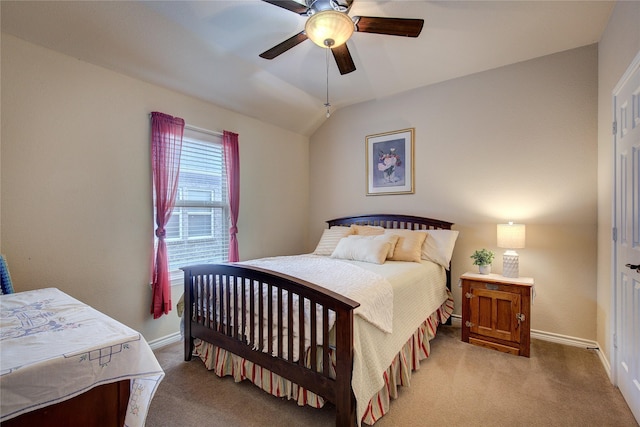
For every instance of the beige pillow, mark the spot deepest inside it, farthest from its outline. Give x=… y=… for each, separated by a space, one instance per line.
x=357 y=248
x=367 y=230
x=330 y=238
x=409 y=246
x=392 y=239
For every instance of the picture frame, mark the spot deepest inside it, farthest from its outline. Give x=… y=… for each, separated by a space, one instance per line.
x=390 y=162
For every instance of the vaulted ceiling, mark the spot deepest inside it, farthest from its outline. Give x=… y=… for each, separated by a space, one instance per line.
x=209 y=49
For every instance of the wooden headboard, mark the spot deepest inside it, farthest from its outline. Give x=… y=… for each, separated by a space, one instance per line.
x=407 y=222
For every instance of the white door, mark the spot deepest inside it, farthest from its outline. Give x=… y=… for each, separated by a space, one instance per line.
x=626 y=370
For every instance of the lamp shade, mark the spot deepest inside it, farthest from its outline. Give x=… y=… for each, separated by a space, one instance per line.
x=329 y=28
x=511 y=236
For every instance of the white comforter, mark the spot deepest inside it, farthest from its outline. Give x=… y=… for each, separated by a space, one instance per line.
x=417 y=290
x=370 y=289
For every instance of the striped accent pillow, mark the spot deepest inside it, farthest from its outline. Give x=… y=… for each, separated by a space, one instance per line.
x=330 y=238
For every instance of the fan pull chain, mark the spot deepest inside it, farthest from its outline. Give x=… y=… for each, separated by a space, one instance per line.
x=327 y=104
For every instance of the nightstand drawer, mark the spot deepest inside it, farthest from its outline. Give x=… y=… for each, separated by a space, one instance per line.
x=494 y=346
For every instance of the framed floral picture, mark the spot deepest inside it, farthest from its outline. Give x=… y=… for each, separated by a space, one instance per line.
x=389 y=162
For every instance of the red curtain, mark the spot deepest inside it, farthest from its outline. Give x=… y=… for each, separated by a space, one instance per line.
x=232 y=164
x=166 y=147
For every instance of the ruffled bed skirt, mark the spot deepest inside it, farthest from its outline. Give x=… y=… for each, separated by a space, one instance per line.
x=417 y=348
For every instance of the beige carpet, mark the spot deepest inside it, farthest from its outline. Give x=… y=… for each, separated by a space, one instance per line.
x=458 y=385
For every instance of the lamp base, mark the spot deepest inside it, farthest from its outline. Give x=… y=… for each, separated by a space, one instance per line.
x=510 y=264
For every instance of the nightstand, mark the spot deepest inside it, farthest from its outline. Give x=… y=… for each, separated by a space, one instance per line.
x=496 y=312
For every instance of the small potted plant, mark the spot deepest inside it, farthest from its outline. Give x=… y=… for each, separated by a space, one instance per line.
x=483 y=259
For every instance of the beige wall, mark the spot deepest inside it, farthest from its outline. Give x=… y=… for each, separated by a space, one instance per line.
x=618 y=46
x=515 y=143
x=76 y=181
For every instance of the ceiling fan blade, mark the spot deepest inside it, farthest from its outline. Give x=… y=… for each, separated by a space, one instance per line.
x=284 y=46
x=291 y=5
x=391 y=26
x=343 y=59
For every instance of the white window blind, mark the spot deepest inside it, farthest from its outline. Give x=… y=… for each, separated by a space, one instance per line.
x=198 y=231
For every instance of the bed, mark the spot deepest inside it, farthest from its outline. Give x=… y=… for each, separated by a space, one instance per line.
x=64 y=363
x=327 y=337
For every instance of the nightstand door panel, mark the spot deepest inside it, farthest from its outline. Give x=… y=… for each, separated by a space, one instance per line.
x=493 y=314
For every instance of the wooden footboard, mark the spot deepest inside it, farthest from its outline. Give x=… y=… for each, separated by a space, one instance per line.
x=273 y=301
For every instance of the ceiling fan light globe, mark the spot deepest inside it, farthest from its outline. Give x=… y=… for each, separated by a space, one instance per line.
x=330 y=25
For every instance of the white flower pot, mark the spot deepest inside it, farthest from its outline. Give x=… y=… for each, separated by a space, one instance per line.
x=485 y=269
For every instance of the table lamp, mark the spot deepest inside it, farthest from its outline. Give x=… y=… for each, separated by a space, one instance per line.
x=510 y=237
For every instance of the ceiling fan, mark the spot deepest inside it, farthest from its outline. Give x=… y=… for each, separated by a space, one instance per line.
x=329 y=25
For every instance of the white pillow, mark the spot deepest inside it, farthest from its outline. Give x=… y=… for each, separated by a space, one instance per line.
x=330 y=238
x=409 y=246
x=438 y=247
x=391 y=238
x=361 y=248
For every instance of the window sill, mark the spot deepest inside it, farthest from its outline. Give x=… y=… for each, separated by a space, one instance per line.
x=177 y=278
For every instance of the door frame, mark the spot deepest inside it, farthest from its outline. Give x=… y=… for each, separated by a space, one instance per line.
x=635 y=64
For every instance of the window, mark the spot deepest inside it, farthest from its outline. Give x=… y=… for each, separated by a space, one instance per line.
x=198 y=231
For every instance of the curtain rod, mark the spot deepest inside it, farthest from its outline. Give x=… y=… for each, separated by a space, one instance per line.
x=197 y=129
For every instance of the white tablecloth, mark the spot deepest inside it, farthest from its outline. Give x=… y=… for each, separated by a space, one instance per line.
x=53 y=347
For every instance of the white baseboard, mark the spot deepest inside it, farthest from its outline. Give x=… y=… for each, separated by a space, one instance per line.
x=605 y=364
x=564 y=339
x=164 y=341
x=456 y=320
